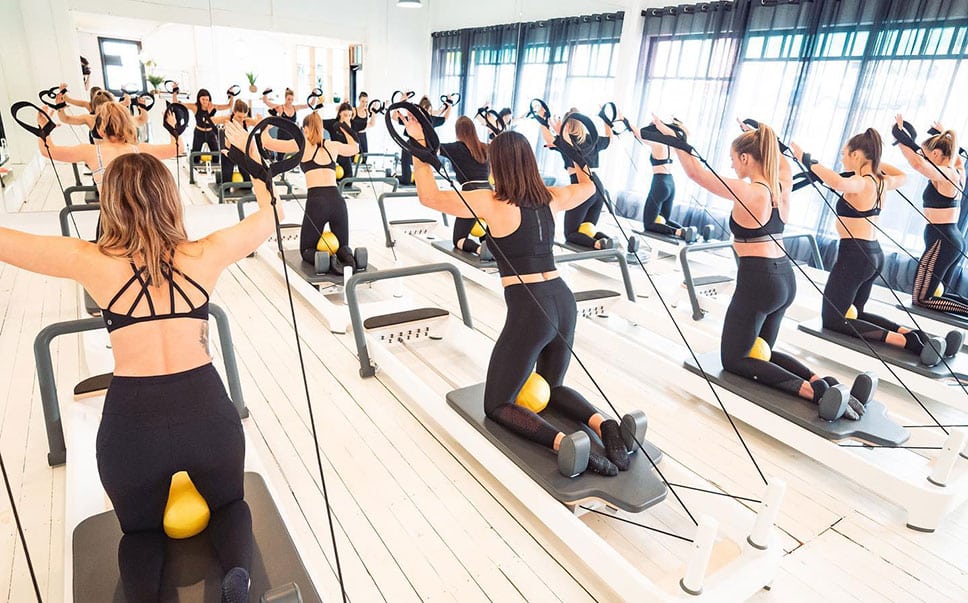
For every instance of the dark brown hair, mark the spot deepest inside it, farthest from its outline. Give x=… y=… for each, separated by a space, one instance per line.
x=868 y=143
x=467 y=133
x=516 y=176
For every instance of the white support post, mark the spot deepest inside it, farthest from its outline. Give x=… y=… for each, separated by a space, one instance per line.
x=702 y=549
x=762 y=531
x=347 y=273
x=945 y=463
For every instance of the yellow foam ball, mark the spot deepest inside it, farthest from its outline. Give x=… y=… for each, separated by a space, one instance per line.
x=206 y=158
x=940 y=290
x=327 y=242
x=490 y=179
x=236 y=176
x=660 y=220
x=535 y=394
x=357 y=158
x=339 y=172
x=851 y=313
x=413 y=177
x=760 y=350
x=587 y=229
x=480 y=227
x=186 y=512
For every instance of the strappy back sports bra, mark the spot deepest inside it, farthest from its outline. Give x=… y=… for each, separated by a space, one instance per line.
x=114 y=320
x=846 y=210
x=932 y=199
x=308 y=166
x=97 y=174
x=767 y=232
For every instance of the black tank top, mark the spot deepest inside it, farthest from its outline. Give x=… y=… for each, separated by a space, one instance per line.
x=308 y=166
x=114 y=320
x=358 y=123
x=467 y=168
x=203 y=118
x=932 y=199
x=767 y=232
x=846 y=210
x=528 y=250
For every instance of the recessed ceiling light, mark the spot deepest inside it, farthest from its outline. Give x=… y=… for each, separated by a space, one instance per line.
x=409 y=3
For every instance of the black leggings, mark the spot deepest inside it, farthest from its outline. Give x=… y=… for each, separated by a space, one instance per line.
x=659 y=203
x=530 y=342
x=324 y=205
x=859 y=264
x=765 y=288
x=151 y=428
x=364 y=145
x=589 y=211
x=406 y=168
x=943 y=248
x=210 y=138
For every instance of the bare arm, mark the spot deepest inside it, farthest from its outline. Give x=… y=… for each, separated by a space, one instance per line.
x=61 y=257
x=75 y=120
x=276 y=145
x=894 y=178
x=447 y=202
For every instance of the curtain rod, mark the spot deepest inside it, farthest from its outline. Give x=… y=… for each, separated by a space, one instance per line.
x=619 y=16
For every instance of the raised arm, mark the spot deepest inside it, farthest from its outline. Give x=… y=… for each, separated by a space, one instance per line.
x=894 y=178
x=568 y=197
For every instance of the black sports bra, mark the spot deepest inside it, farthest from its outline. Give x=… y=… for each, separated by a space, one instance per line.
x=308 y=166
x=657 y=162
x=932 y=199
x=767 y=232
x=203 y=118
x=528 y=249
x=114 y=320
x=846 y=210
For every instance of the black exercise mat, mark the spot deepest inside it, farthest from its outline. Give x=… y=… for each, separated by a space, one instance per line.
x=308 y=271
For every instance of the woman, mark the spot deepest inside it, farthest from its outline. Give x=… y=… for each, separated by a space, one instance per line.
x=361 y=121
x=765 y=282
x=240 y=117
x=537 y=332
x=324 y=204
x=166 y=409
x=88 y=119
x=662 y=193
x=204 y=111
x=341 y=130
x=468 y=155
x=591 y=209
x=406 y=176
x=118 y=136
x=287 y=110
x=944 y=246
x=859 y=256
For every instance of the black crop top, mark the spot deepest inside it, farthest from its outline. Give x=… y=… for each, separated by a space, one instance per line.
x=658 y=162
x=767 y=232
x=114 y=320
x=932 y=199
x=308 y=166
x=358 y=123
x=528 y=250
x=203 y=118
x=467 y=168
x=846 y=210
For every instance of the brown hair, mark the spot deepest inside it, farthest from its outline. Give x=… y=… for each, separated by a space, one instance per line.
x=869 y=143
x=94 y=90
x=516 y=176
x=289 y=92
x=99 y=98
x=239 y=106
x=313 y=124
x=344 y=106
x=425 y=103
x=761 y=144
x=141 y=213
x=115 y=123
x=944 y=142
x=467 y=133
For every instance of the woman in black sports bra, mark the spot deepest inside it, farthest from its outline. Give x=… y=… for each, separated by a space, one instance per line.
x=468 y=156
x=362 y=119
x=662 y=193
x=239 y=116
x=765 y=282
x=204 y=110
x=324 y=204
x=540 y=323
x=944 y=244
x=166 y=409
x=859 y=256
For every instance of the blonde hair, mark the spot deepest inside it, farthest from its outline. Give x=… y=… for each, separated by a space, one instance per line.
x=115 y=123
x=313 y=124
x=573 y=128
x=141 y=213
x=761 y=144
x=944 y=142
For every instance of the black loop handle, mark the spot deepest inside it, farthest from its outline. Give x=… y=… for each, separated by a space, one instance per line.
x=144 y=100
x=426 y=152
x=608 y=114
x=313 y=99
x=492 y=120
x=568 y=148
x=170 y=86
x=749 y=121
x=267 y=92
x=543 y=120
x=181 y=118
x=401 y=96
x=51 y=93
x=234 y=90
x=259 y=169
x=678 y=141
x=41 y=132
x=906 y=136
x=376 y=106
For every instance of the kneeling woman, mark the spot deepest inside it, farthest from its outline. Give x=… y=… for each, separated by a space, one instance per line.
x=662 y=193
x=540 y=324
x=166 y=409
x=765 y=282
x=468 y=155
x=859 y=256
x=324 y=204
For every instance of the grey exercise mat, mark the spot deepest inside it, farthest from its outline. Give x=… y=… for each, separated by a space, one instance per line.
x=308 y=271
x=192 y=571
x=945 y=317
x=891 y=355
x=580 y=249
x=465 y=256
x=874 y=427
x=634 y=490
x=241 y=189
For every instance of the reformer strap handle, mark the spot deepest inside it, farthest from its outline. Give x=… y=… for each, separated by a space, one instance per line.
x=651 y=133
x=313 y=100
x=426 y=152
x=375 y=107
x=541 y=119
x=41 y=132
x=492 y=120
x=233 y=91
x=52 y=93
x=144 y=100
x=450 y=99
x=568 y=148
x=906 y=136
x=181 y=118
x=961 y=150
x=401 y=96
x=756 y=126
x=170 y=86
x=267 y=92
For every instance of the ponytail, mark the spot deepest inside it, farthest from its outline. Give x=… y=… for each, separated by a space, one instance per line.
x=761 y=144
x=313 y=124
x=944 y=142
x=869 y=143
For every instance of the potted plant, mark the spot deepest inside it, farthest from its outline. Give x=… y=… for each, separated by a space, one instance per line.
x=251 y=77
x=155 y=81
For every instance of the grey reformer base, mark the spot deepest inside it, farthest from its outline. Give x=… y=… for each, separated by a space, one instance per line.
x=93 y=386
x=308 y=272
x=945 y=317
x=874 y=427
x=580 y=248
x=634 y=490
x=671 y=240
x=890 y=354
x=465 y=256
x=192 y=571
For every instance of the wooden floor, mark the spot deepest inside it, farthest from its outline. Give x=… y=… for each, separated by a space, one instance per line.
x=412 y=522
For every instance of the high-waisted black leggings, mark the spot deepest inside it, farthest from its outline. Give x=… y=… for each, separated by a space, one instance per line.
x=859 y=264
x=529 y=341
x=659 y=203
x=324 y=205
x=943 y=248
x=210 y=138
x=463 y=226
x=589 y=211
x=765 y=288
x=152 y=428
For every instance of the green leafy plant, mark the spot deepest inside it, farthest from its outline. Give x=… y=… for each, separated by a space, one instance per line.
x=155 y=81
x=251 y=77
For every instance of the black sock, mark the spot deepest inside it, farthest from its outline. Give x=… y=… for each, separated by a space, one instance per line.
x=820 y=387
x=235 y=586
x=614 y=445
x=912 y=342
x=831 y=381
x=470 y=246
x=601 y=465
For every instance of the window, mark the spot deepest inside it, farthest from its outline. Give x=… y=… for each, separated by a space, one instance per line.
x=121 y=64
